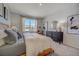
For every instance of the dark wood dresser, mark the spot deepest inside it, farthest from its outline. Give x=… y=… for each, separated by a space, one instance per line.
x=56 y=36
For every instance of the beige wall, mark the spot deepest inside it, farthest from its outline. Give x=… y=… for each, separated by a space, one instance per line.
x=15 y=20
x=40 y=23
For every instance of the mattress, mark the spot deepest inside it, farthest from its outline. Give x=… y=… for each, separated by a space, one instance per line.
x=35 y=43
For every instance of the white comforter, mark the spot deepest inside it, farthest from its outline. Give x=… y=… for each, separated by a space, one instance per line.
x=35 y=43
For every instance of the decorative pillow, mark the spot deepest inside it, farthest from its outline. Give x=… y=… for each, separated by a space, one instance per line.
x=45 y=52
x=11 y=38
x=19 y=34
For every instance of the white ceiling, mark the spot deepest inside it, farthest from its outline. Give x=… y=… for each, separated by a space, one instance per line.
x=34 y=9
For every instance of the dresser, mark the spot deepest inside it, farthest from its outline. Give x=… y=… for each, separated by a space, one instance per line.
x=56 y=36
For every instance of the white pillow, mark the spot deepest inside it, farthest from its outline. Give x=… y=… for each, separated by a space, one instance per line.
x=2 y=35
x=2 y=42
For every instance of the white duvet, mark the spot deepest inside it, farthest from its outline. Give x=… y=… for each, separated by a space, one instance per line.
x=35 y=43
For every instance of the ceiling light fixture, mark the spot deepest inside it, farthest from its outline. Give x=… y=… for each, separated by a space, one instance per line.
x=40 y=4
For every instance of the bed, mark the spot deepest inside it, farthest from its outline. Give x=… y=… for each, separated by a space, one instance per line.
x=35 y=43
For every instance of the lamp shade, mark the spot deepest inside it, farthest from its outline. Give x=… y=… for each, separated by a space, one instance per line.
x=2 y=34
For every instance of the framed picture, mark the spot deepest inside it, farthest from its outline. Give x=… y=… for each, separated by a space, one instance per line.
x=5 y=13
x=73 y=24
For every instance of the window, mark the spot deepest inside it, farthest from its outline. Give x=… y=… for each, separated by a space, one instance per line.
x=30 y=24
